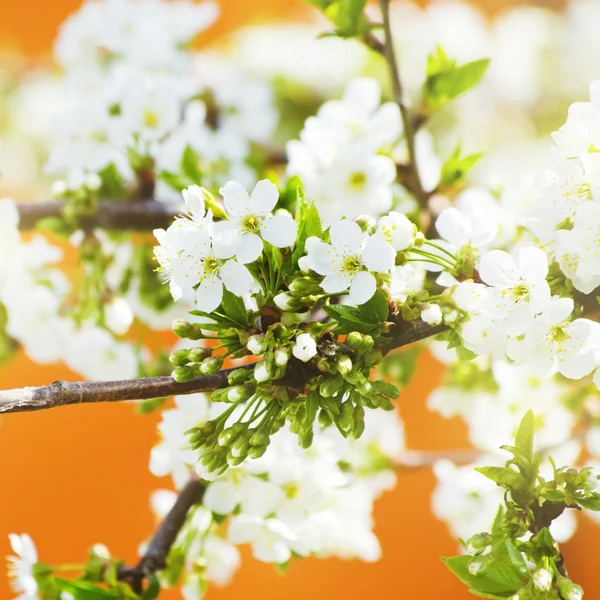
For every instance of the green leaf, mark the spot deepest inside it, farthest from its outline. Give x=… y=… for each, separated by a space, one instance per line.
x=348 y=318
x=189 y=166
x=445 y=81
x=524 y=437
x=456 y=168
x=83 y=590
x=312 y=406
x=234 y=308
x=153 y=589
x=145 y=407
x=173 y=180
x=347 y=16
x=590 y=503
x=499 y=581
x=503 y=548
x=504 y=477
x=553 y=495
x=376 y=310
x=386 y=389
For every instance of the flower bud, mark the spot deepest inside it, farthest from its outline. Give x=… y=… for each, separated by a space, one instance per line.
x=239 y=376
x=281 y=357
x=240 y=447
x=182 y=328
x=323 y=365
x=211 y=365
x=344 y=364
x=569 y=590
x=306 y=438
x=305 y=347
x=239 y=393
x=542 y=579
x=262 y=372
x=256 y=344
x=331 y=386
x=354 y=340
x=372 y=357
x=182 y=374
x=477 y=543
x=234 y=461
x=260 y=438
x=431 y=314
x=367 y=343
x=179 y=358
x=220 y=395
x=346 y=418
x=305 y=286
x=197 y=355
x=303 y=264
x=256 y=451
x=365 y=222
x=480 y=564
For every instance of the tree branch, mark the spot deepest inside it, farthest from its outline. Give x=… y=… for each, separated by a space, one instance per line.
x=412 y=173
x=144 y=215
x=155 y=557
x=63 y=393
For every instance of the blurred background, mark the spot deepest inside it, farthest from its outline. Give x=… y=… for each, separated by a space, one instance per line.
x=75 y=476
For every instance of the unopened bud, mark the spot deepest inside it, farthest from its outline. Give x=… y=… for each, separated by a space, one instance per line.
x=197 y=355
x=239 y=393
x=306 y=438
x=365 y=222
x=211 y=365
x=477 y=543
x=256 y=344
x=542 y=579
x=359 y=421
x=324 y=418
x=262 y=372
x=182 y=328
x=305 y=286
x=372 y=357
x=281 y=357
x=179 y=358
x=354 y=340
x=480 y=564
x=431 y=314
x=220 y=395
x=367 y=343
x=260 y=438
x=256 y=451
x=344 y=364
x=239 y=376
x=569 y=590
x=182 y=374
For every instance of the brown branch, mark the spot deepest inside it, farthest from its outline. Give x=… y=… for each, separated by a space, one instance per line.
x=400 y=97
x=155 y=557
x=144 y=215
x=62 y=393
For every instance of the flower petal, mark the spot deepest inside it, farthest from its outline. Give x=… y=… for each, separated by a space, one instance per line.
x=378 y=255
x=235 y=196
x=347 y=235
x=264 y=197
x=236 y=278
x=221 y=497
x=453 y=227
x=498 y=268
x=280 y=230
x=226 y=239
x=362 y=288
x=334 y=283
x=533 y=263
x=250 y=248
x=209 y=294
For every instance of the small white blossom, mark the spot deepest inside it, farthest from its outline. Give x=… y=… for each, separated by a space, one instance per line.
x=431 y=314
x=271 y=539
x=542 y=579
x=397 y=230
x=250 y=219
x=20 y=569
x=348 y=260
x=305 y=347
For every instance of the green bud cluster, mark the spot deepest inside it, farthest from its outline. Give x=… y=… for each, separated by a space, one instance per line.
x=196 y=362
x=302 y=294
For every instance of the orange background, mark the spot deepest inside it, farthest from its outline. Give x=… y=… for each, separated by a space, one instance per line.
x=78 y=475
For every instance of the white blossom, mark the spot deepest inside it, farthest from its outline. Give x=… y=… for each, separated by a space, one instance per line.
x=305 y=347
x=21 y=566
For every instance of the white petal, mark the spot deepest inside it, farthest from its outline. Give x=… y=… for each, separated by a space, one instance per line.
x=346 y=234
x=264 y=197
x=335 y=283
x=539 y=296
x=280 y=230
x=362 y=288
x=221 y=497
x=260 y=498
x=533 y=263
x=244 y=529
x=541 y=360
x=557 y=311
x=236 y=278
x=378 y=255
x=321 y=257
x=209 y=294
x=498 y=268
x=235 y=196
x=226 y=238
x=250 y=248
x=575 y=364
x=519 y=319
x=363 y=95
x=453 y=227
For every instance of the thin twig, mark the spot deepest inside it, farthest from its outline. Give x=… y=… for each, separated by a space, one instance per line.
x=416 y=186
x=144 y=215
x=155 y=557
x=62 y=393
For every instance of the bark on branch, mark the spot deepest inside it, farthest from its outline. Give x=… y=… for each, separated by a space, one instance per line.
x=144 y=215
x=155 y=557
x=62 y=393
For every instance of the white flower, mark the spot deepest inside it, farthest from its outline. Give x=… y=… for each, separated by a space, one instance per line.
x=518 y=288
x=554 y=343
x=305 y=347
x=431 y=314
x=270 y=538
x=195 y=199
x=460 y=229
x=542 y=579
x=189 y=263
x=20 y=569
x=250 y=216
x=346 y=262
x=118 y=315
x=397 y=230
x=483 y=336
x=406 y=279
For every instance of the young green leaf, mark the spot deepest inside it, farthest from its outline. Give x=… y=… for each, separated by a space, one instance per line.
x=376 y=310
x=524 y=437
